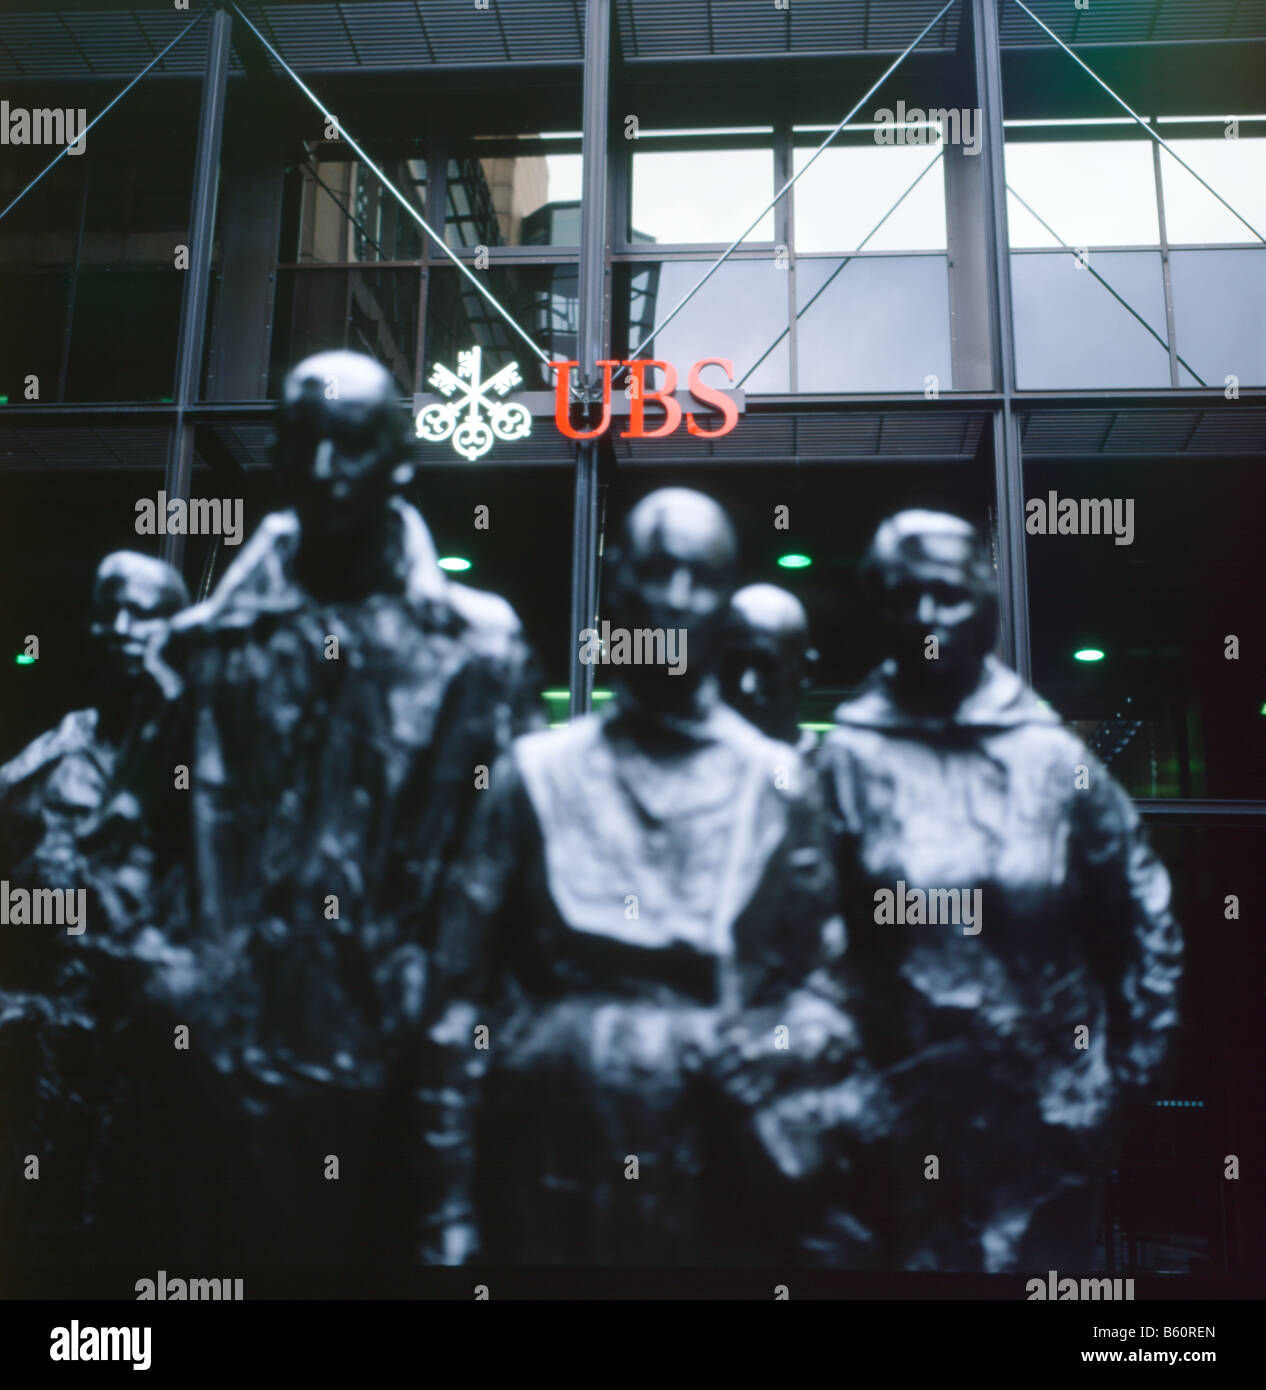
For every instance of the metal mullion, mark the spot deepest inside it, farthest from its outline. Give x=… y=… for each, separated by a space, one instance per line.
x=193 y=310
x=785 y=232
x=591 y=274
x=73 y=289
x=1008 y=463
x=1170 y=341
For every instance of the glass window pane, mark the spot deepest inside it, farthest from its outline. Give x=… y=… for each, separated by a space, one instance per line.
x=1090 y=192
x=1069 y=330
x=366 y=309
x=1219 y=312
x=848 y=190
x=32 y=331
x=1236 y=168
x=700 y=195
x=514 y=200
x=346 y=215
x=873 y=323
x=541 y=299
x=1163 y=707
x=106 y=365
x=740 y=314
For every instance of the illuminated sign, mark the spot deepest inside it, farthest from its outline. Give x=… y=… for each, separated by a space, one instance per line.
x=639 y=393
x=461 y=420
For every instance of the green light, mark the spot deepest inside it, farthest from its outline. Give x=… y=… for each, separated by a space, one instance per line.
x=1088 y=654
x=4 y=400
x=454 y=562
x=1263 y=708
x=566 y=694
x=818 y=728
x=794 y=562
x=23 y=660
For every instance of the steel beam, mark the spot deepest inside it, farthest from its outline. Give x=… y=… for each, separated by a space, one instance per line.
x=1013 y=591
x=193 y=307
x=590 y=339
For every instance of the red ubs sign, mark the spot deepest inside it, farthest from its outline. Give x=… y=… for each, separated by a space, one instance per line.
x=641 y=393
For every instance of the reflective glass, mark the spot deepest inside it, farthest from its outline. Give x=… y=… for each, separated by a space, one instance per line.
x=1071 y=332
x=344 y=214
x=1236 y=168
x=1089 y=192
x=740 y=314
x=700 y=195
x=1220 y=313
x=848 y=190
x=514 y=200
x=876 y=323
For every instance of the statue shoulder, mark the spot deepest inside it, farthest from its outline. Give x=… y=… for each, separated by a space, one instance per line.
x=489 y=620
x=75 y=732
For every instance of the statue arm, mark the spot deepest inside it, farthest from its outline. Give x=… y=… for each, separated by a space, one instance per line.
x=1143 y=956
x=462 y=993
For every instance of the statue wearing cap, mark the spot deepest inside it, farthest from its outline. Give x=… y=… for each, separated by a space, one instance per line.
x=1012 y=961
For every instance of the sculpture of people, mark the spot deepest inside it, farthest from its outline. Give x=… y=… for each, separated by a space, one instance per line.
x=1012 y=960
x=644 y=898
x=767 y=661
x=59 y=989
x=332 y=704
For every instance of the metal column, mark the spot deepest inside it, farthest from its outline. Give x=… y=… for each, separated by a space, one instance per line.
x=1013 y=592
x=193 y=307
x=592 y=274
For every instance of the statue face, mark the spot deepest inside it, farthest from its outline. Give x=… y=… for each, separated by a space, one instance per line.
x=931 y=591
x=338 y=453
x=674 y=570
x=132 y=597
x=766 y=658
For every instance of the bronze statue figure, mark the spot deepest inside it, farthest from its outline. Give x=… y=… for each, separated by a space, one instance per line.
x=768 y=662
x=331 y=705
x=643 y=899
x=59 y=997
x=1012 y=959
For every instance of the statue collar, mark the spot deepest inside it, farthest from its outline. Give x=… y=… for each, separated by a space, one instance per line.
x=1001 y=700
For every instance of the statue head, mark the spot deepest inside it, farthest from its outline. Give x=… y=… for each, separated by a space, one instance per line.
x=931 y=576
x=342 y=442
x=767 y=658
x=132 y=596
x=673 y=568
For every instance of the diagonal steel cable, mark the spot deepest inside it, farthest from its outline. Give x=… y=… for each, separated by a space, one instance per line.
x=390 y=187
x=61 y=154
x=725 y=255
x=822 y=288
x=1168 y=148
x=1123 y=302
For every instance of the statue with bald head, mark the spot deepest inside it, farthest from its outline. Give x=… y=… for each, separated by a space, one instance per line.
x=1012 y=959
x=768 y=660
x=332 y=702
x=55 y=990
x=643 y=897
